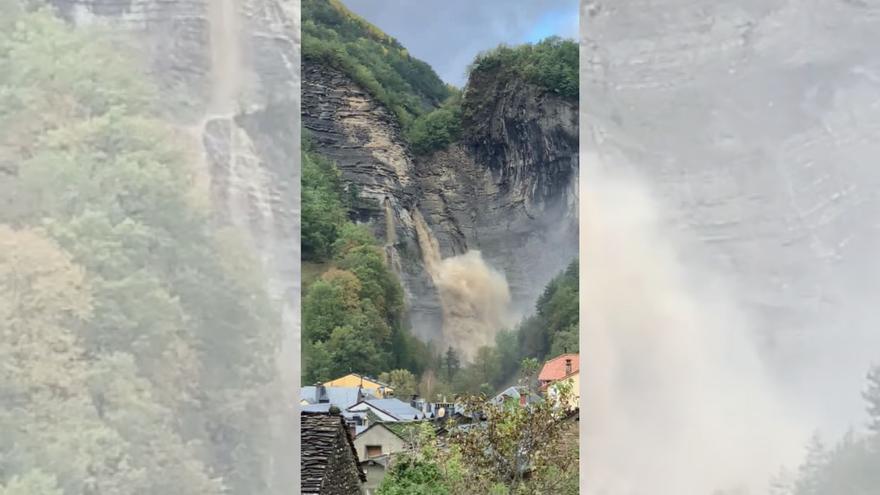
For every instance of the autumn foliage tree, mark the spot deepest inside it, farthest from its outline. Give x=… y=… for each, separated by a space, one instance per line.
x=510 y=449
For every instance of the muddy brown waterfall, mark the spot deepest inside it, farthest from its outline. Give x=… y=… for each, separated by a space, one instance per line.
x=475 y=297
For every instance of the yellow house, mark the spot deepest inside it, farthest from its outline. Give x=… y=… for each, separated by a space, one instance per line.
x=381 y=390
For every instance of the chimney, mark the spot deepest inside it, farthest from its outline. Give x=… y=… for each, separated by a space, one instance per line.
x=522 y=399
x=321 y=393
x=412 y=401
x=567 y=366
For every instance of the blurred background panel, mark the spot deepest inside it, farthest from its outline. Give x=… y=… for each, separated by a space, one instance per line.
x=150 y=246
x=744 y=135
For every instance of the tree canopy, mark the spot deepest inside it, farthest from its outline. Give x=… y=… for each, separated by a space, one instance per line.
x=334 y=35
x=353 y=313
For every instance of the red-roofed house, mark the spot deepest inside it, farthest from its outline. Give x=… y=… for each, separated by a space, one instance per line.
x=558 y=368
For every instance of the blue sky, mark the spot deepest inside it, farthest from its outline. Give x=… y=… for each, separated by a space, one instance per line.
x=448 y=34
x=562 y=22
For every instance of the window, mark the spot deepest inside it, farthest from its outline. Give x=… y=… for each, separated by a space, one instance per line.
x=374 y=450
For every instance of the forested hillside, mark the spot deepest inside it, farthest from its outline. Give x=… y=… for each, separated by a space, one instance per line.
x=335 y=36
x=551 y=330
x=110 y=269
x=353 y=312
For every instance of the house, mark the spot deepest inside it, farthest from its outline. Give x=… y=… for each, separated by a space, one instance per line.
x=379 y=389
x=388 y=410
x=320 y=399
x=377 y=445
x=380 y=439
x=564 y=368
x=341 y=397
x=375 y=469
x=574 y=380
x=329 y=462
x=558 y=368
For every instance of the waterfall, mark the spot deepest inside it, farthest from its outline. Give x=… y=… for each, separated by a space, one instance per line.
x=255 y=193
x=226 y=58
x=392 y=258
x=474 y=297
x=390 y=233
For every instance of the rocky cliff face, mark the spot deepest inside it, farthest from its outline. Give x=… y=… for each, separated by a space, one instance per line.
x=757 y=123
x=509 y=190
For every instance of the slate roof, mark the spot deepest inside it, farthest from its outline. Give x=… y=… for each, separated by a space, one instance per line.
x=396 y=408
x=320 y=436
x=316 y=408
x=341 y=397
x=554 y=369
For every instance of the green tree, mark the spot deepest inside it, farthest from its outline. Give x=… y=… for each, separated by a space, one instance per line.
x=849 y=467
x=352 y=351
x=872 y=397
x=403 y=382
x=425 y=469
x=520 y=449
x=322 y=209
x=437 y=129
x=516 y=451
x=451 y=363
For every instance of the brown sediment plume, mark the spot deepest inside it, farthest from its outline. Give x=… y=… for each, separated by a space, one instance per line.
x=475 y=297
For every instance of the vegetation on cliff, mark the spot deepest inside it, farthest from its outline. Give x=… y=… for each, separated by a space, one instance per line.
x=429 y=110
x=353 y=313
x=437 y=129
x=333 y=35
x=551 y=64
x=109 y=271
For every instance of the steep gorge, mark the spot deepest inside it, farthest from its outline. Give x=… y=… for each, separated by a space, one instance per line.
x=490 y=219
